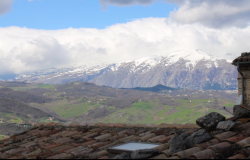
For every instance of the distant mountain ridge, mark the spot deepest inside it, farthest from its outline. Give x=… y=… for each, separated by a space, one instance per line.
x=184 y=69
x=157 y=88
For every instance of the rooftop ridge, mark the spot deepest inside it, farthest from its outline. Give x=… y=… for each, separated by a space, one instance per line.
x=117 y=125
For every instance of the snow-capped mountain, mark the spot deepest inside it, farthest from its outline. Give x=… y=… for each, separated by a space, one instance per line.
x=185 y=69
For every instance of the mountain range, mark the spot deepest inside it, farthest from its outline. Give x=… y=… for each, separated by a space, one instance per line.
x=183 y=69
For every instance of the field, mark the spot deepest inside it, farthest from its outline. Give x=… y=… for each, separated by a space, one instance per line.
x=152 y=112
x=10 y=118
x=86 y=102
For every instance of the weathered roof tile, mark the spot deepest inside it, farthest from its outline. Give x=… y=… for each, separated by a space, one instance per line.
x=72 y=140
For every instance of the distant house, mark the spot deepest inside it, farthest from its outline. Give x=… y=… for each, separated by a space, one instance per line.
x=50 y=119
x=243 y=67
x=2 y=120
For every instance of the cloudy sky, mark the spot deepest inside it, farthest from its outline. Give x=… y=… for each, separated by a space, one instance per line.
x=41 y=34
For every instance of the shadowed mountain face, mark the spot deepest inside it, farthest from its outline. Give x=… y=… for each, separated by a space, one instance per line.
x=184 y=69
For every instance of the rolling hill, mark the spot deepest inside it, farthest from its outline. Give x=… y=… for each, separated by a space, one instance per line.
x=83 y=101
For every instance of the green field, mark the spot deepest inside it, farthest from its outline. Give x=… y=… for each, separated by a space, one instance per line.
x=68 y=109
x=3 y=137
x=10 y=118
x=152 y=112
x=46 y=86
x=229 y=104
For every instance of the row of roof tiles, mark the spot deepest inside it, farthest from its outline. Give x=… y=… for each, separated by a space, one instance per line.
x=71 y=140
x=115 y=125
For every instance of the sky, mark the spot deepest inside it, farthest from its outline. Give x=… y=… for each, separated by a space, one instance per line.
x=42 y=34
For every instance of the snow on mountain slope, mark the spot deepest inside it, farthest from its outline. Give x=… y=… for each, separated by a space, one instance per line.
x=190 y=69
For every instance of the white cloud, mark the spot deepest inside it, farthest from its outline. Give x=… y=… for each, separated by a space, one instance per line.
x=104 y=3
x=212 y=13
x=26 y=50
x=5 y=6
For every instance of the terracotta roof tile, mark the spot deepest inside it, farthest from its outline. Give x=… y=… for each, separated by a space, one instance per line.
x=223 y=148
x=187 y=153
x=107 y=146
x=122 y=132
x=54 y=150
x=161 y=156
x=76 y=141
x=129 y=126
x=57 y=156
x=225 y=135
x=166 y=139
x=140 y=131
x=172 y=133
x=82 y=153
x=98 y=154
x=145 y=134
x=147 y=137
x=27 y=145
x=166 y=152
x=205 y=145
x=104 y=137
x=99 y=124
x=139 y=125
x=44 y=154
x=77 y=136
x=174 y=157
x=237 y=138
x=16 y=157
x=162 y=147
x=51 y=146
x=131 y=132
x=67 y=156
x=66 y=124
x=242 y=127
x=91 y=135
x=238 y=156
x=190 y=126
x=244 y=143
x=16 y=150
x=89 y=143
x=156 y=139
x=245 y=151
x=119 y=125
x=105 y=157
x=64 y=149
x=132 y=139
x=69 y=134
x=51 y=124
x=32 y=154
x=124 y=139
x=79 y=148
x=101 y=144
x=151 y=126
x=73 y=124
x=83 y=124
x=163 y=125
x=205 y=154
